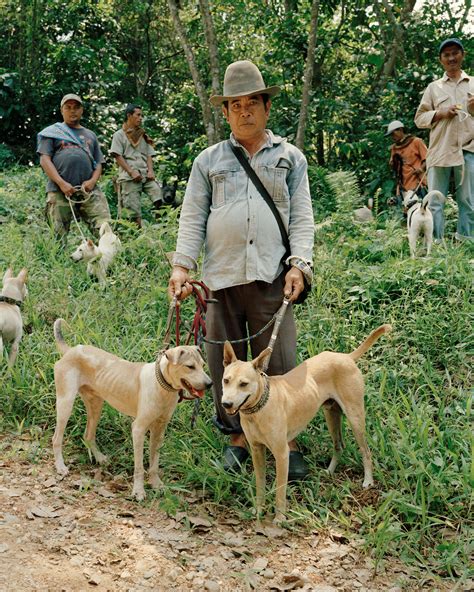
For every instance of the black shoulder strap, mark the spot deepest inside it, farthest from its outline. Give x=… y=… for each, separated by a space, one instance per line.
x=264 y=193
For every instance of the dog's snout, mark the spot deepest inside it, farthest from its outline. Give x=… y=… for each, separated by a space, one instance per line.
x=227 y=404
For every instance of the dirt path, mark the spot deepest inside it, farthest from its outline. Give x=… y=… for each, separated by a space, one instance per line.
x=83 y=533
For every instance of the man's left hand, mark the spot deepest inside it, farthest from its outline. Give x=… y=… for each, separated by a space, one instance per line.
x=88 y=185
x=150 y=176
x=294 y=284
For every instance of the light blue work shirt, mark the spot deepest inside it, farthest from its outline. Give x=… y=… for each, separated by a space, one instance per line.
x=223 y=210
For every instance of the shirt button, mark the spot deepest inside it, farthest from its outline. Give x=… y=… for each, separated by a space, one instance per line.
x=251 y=242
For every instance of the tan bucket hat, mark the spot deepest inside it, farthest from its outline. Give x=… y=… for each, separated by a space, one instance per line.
x=243 y=78
x=394 y=125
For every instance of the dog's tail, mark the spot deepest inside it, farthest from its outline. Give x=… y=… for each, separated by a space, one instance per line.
x=105 y=227
x=433 y=194
x=369 y=342
x=62 y=346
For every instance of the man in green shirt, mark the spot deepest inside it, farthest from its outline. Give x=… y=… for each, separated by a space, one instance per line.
x=133 y=151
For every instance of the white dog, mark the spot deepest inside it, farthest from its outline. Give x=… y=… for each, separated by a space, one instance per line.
x=420 y=218
x=13 y=293
x=99 y=258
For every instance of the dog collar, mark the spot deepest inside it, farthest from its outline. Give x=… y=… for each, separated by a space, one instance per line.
x=160 y=378
x=263 y=399
x=9 y=300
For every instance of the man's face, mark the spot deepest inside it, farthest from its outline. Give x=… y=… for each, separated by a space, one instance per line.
x=72 y=112
x=398 y=134
x=247 y=116
x=451 y=59
x=135 y=119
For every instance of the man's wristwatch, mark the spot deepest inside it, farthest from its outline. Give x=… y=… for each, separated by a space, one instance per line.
x=303 y=266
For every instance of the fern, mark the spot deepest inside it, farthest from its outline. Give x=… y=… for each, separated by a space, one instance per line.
x=346 y=190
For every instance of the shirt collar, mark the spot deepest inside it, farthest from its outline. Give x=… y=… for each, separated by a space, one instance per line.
x=464 y=76
x=269 y=142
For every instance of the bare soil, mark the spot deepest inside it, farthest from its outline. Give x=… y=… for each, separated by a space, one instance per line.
x=82 y=533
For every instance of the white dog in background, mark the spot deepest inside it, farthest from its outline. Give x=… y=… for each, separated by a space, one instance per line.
x=420 y=218
x=99 y=258
x=14 y=291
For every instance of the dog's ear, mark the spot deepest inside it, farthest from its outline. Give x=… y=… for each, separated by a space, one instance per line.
x=260 y=359
x=90 y=242
x=229 y=354
x=172 y=355
x=23 y=275
x=8 y=274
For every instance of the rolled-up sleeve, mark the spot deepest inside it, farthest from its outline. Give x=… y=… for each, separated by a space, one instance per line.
x=194 y=215
x=301 y=222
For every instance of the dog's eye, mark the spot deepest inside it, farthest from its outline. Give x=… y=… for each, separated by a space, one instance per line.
x=243 y=383
x=225 y=380
x=191 y=366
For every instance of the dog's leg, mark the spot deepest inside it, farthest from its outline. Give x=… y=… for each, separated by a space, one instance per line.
x=258 y=460
x=356 y=416
x=333 y=415
x=1 y=348
x=139 y=428
x=93 y=407
x=412 y=236
x=66 y=391
x=282 y=460
x=13 y=352
x=157 y=433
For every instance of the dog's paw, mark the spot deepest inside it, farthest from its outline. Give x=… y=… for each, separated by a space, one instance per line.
x=138 y=493
x=368 y=482
x=100 y=458
x=61 y=469
x=279 y=519
x=156 y=482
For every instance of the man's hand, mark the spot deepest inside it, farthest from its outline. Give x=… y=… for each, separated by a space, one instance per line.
x=150 y=176
x=66 y=188
x=179 y=285
x=136 y=176
x=88 y=185
x=447 y=112
x=294 y=284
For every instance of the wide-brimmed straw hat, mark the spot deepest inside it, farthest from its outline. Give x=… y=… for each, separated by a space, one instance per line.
x=243 y=78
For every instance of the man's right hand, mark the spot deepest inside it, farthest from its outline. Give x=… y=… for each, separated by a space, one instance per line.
x=136 y=176
x=179 y=284
x=67 y=189
x=447 y=112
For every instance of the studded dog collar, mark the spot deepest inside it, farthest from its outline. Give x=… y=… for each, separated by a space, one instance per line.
x=9 y=300
x=263 y=399
x=160 y=378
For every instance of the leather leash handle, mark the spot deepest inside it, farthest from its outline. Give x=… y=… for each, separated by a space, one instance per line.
x=264 y=193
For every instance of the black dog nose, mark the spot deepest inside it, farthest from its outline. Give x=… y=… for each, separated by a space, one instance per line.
x=227 y=405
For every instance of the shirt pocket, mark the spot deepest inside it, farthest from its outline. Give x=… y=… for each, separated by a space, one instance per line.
x=223 y=184
x=274 y=179
x=441 y=101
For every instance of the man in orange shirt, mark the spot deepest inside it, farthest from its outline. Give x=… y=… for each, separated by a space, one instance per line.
x=407 y=159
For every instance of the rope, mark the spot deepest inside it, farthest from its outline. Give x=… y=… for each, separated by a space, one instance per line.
x=78 y=189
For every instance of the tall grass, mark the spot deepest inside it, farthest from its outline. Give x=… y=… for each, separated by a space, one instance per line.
x=418 y=379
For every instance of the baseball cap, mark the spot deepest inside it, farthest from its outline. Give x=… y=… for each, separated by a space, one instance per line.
x=71 y=97
x=450 y=41
x=394 y=125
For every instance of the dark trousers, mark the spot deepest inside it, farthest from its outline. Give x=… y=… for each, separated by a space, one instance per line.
x=242 y=311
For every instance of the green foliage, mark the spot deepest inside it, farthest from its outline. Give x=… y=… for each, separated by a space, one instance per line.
x=418 y=379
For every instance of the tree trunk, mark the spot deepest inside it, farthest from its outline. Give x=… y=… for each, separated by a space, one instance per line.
x=198 y=84
x=308 y=75
x=214 y=63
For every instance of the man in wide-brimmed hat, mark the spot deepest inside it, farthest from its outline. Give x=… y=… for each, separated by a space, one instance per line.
x=243 y=246
x=447 y=110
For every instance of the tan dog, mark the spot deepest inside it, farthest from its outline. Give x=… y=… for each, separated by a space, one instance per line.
x=14 y=291
x=147 y=392
x=274 y=410
x=99 y=258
